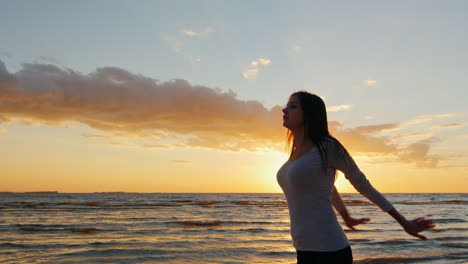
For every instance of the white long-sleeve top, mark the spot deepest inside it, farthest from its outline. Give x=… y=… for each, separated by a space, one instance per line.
x=308 y=190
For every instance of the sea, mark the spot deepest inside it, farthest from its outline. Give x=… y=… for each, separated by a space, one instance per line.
x=228 y=228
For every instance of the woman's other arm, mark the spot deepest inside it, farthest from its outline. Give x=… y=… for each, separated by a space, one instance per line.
x=341 y=208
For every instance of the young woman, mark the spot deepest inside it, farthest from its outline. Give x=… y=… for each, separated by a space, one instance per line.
x=307 y=180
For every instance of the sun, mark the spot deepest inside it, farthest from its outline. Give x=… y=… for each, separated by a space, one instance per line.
x=342 y=184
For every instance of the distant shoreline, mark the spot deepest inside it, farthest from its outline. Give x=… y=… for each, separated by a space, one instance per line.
x=122 y=192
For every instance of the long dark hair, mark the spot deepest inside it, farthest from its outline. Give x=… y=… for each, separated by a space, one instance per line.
x=316 y=127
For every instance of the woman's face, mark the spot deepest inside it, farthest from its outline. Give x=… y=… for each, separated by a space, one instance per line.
x=293 y=117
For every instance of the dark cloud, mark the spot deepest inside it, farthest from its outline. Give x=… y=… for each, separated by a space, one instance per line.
x=48 y=59
x=170 y=114
x=360 y=141
x=114 y=100
x=4 y=119
x=6 y=54
x=418 y=153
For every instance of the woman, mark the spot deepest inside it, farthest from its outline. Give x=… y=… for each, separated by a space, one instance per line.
x=307 y=180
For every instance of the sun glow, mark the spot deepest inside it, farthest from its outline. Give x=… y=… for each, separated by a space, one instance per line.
x=342 y=184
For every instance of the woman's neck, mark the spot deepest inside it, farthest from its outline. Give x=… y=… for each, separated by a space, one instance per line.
x=300 y=142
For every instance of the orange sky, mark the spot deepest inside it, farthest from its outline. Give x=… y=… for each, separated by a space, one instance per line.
x=116 y=131
x=183 y=102
x=64 y=158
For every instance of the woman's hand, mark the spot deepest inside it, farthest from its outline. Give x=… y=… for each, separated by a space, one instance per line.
x=351 y=222
x=418 y=225
x=412 y=227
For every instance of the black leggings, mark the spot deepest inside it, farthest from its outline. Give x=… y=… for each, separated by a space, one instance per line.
x=342 y=256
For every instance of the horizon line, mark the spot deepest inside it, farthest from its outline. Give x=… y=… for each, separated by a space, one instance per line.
x=116 y=192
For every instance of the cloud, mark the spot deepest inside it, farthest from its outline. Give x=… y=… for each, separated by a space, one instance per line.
x=116 y=101
x=192 y=33
x=6 y=54
x=181 y=161
x=362 y=140
x=296 y=48
x=377 y=128
x=4 y=120
x=453 y=125
x=370 y=82
x=175 y=44
x=48 y=59
x=155 y=146
x=179 y=42
x=209 y=29
x=253 y=68
x=119 y=145
x=339 y=108
x=412 y=135
x=132 y=110
x=250 y=73
x=264 y=61
x=427 y=118
x=94 y=136
x=189 y=33
x=418 y=153
x=194 y=59
x=461 y=137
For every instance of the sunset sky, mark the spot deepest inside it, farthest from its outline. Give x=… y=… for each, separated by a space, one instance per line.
x=186 y=96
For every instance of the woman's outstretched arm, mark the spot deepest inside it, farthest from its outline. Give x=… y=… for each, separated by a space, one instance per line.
x=341 y=208
x=345 y=163
x=412 y=227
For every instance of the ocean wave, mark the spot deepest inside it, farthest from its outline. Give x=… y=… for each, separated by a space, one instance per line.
x=191 y=223
x=223 y=228
x=261 y=203
x=357 y=202
x=360 y=240
x=459 y=255
x=182 y=201
x=22 y=204
x=456 y=229
x=39 y=246
x=87 y=203
x=13 y=245
x=116 y=252
x=455 y=244
x=448 y=220
x=55 y=228
x=397 y=260
x=455 y=201
x=234 y=223
x=255 y=230
x=449 y=238
x=84 y=230
x=73 y=204
x=278 y=253
x=218 y=223
x=377 y=230
x=208 y=202
x=396 y=242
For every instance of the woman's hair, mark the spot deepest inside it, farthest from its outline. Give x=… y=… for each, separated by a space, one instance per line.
x=316 y=127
